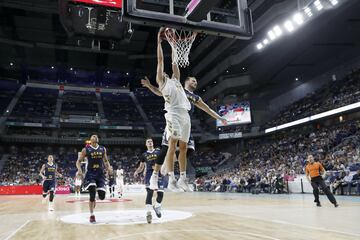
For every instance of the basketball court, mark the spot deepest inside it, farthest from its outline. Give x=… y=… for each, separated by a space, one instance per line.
x=186 y=216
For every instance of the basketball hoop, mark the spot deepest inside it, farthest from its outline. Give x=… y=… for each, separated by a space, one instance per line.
x=180 y=42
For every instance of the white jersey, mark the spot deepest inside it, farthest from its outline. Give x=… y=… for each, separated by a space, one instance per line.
x=120 y=175
x=174 y=95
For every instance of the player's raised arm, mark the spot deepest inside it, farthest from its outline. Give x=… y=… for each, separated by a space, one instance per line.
x=203 y=106
x=160 y=58
x=80 y=159
x=175 y=68
x=145 y=82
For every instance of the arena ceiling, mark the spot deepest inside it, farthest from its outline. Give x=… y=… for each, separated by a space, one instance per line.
x=31 y=34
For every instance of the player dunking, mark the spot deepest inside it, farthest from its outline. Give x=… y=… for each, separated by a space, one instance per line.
x=195 y=100
x=95 y=176
x=48 y=173
x=120 y=182
x=178 y=124
x=147 y=163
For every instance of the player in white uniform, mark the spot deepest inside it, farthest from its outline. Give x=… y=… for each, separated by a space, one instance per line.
x=178 y=123
x=120 y=182
x=78 y=183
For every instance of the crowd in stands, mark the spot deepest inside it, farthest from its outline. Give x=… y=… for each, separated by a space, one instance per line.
x=333 y=95
x=28 y=131
x=120 y=109
x=35 y=105
x=268 y=162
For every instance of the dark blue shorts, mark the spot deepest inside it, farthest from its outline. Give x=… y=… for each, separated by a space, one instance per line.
x=49 y=185
x=95 y=178
x=160 y=181
x=112 y=182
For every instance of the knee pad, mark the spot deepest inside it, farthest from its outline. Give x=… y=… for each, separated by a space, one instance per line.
x=51 y=198
x=161 y=158
x=159 y=197
x=101 y=194
x=92 y=192
x=149 y=196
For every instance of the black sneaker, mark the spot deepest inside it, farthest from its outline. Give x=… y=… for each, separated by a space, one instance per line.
x=157 y=211
x=318 y=204
x=336 y=204
x=148 y=217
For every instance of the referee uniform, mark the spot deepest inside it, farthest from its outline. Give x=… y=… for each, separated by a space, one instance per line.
x=314 y=170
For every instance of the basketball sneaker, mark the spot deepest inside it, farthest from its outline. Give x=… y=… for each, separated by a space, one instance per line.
x=154 y=182
x=182 y=184
x=336 y=204
x=157 y=210
x=172 y=186
x=92 y=219
x=318 y=204
x=148 y=217
x=51 y=206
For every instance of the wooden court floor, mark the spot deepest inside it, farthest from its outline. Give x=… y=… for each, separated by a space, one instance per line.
x=212 y=216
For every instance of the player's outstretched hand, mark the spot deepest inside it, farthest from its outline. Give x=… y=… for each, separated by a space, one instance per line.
x=224 y=121
x=145 y=82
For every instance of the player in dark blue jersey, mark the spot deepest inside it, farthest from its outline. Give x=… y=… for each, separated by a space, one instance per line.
x=147 y=163
x=195 y=100
x=95 y=176
x=111 y=184
x=48 y=173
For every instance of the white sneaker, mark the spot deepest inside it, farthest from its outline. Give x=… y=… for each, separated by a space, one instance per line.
x=148 y=217
x=172 y=185
x=182 y=184
x=51 y=206
x=154 y=182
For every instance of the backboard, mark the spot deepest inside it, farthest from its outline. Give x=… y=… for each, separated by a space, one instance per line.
x=230 y=18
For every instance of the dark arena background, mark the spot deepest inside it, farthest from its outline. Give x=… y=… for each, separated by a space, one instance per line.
x=282 y=78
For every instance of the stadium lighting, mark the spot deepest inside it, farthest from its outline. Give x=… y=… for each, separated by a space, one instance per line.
x=265 y=42
x=334 y=2
x=259 y=46
x=108 y=72
x=71 y=69
x=271 y=35
x=289 y=26
x=11 y=64
x=318 y=5
x=278 y=31
x=296 y=79
x=298 y=18
x=314 y=117
x=308 y=12
x=52 y=67
x=127 y=74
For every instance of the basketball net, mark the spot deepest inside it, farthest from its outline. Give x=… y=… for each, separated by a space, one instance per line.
x=180 y=42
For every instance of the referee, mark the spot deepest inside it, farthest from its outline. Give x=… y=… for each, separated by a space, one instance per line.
x=314 y=172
